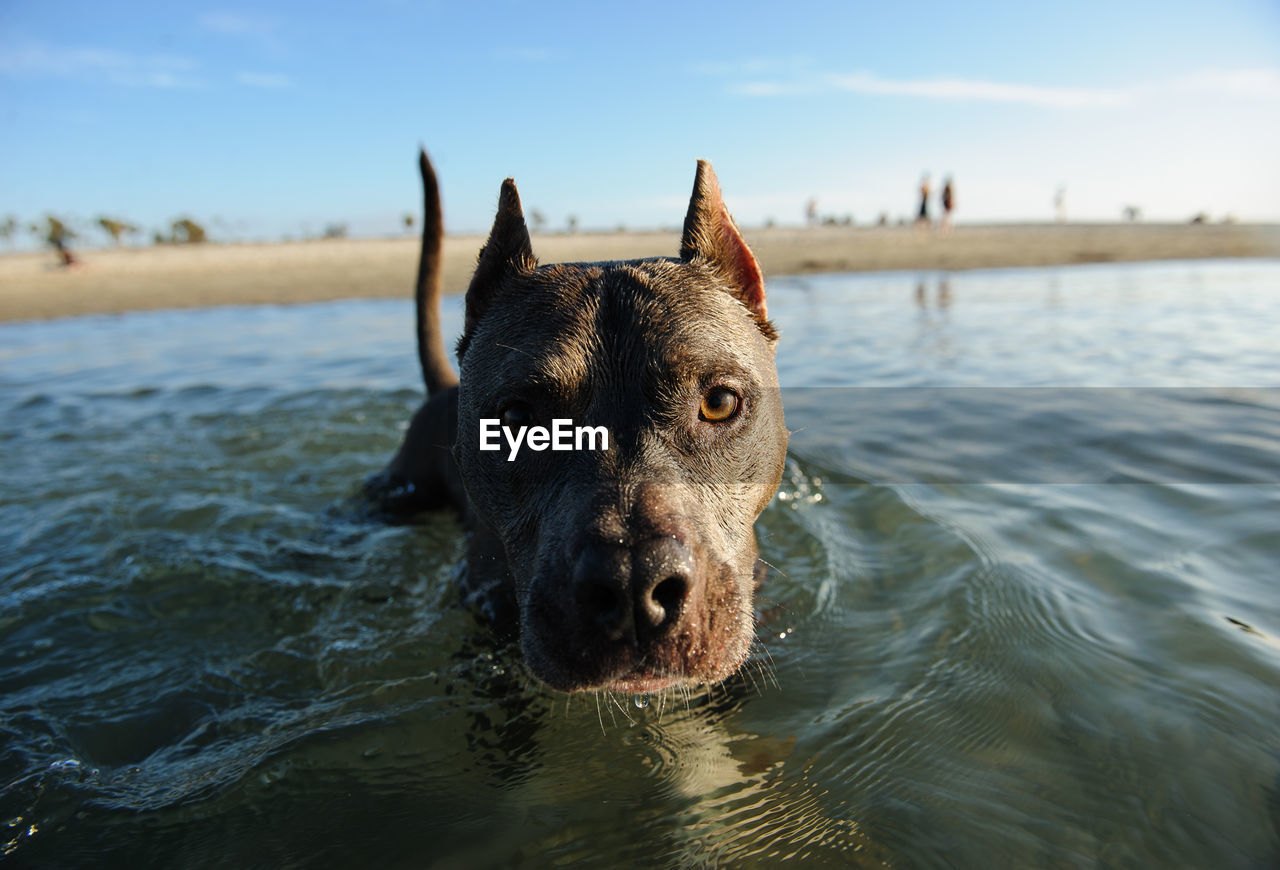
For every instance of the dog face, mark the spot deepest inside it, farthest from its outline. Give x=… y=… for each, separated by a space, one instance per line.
x=632 y=567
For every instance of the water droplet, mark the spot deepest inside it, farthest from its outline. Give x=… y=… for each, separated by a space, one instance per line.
x=642 y=700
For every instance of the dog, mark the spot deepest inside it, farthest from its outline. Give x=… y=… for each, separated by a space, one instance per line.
x=630 y=567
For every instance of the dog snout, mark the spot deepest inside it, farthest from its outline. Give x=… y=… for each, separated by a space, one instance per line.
x=664 y=572
x=633 y=594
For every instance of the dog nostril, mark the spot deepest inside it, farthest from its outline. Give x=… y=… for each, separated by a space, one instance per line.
x=664 y=577
x=601 y=600
x=600 y=589
x=665 y=600
x=605 y=605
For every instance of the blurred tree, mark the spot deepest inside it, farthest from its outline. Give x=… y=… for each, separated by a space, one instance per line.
x=408 y=222
x=57 y=234
x=116 y=228
x=187 y=232
x=8 y=228
x=335 y=231
x=539 y=220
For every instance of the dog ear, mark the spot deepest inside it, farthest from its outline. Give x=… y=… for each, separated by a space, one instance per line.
x=507 y=252
x=711 y=235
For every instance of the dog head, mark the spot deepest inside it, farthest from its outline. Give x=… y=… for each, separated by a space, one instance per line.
x=633 y=567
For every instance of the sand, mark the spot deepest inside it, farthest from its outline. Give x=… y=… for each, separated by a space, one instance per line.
x=33 y=287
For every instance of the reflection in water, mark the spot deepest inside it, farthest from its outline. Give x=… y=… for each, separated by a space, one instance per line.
x=942 y=297
x=1053 y=297
x=932 y=337
x=1005 y=626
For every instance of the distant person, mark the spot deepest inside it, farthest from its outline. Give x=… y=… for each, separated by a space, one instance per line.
x=811 y=212
x=922 y=219
x=948 y=203
x=1060 y=204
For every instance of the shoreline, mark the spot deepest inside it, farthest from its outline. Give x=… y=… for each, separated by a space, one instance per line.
x=33 y=287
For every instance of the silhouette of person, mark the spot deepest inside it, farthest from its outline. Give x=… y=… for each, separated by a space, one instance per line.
x=948 y=203
x=923 y=217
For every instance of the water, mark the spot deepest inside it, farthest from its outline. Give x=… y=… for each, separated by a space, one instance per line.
x=1022 y=609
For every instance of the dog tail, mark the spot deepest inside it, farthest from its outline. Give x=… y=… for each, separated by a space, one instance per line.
x=436 y=371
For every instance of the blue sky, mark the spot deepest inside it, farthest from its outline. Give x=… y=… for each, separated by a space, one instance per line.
x=262 y=120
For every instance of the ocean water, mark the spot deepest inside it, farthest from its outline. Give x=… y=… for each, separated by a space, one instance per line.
x=1022 y=608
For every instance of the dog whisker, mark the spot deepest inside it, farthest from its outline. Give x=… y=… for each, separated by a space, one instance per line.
x=516 y=349
x=768 y=673
x=776 y=568
x=764 y=665
x=772 y=672
x=771 y=668
x=600 y=716
x=622 y=708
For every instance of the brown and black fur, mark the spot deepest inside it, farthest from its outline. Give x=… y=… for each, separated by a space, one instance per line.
x=630 y=569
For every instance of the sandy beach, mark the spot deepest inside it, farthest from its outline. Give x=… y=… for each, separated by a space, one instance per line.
x=33 y=287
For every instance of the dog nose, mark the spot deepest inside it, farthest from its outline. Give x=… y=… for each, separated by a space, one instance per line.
x=662 y=575
x=639 y=592
x=601 y=577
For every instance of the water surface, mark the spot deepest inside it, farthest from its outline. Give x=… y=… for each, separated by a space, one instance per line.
x=1022 y=608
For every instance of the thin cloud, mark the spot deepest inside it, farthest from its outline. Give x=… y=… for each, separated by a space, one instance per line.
x=1244 y=84
x=100 y=65
x=772 y=89
x=984 y=91
x=274 y=81
x=1248 y=83
x=237 y=24
x=258 y=29
x=949 y=89
x=754 y=66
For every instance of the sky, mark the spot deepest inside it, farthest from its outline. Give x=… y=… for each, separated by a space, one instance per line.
x=272 y=120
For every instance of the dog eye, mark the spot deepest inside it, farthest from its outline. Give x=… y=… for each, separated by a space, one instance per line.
x=718 y=405
x=517 y=414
